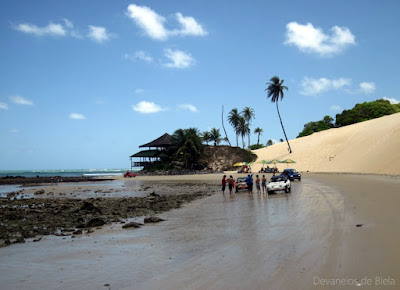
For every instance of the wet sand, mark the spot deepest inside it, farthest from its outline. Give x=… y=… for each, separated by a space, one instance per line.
x=283 y=241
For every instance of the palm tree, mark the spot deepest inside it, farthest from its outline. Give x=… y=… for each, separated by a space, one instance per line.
x=233 y=119
x=243 y=129
x=215 y=136
x=248 y=115
x=258 y=131
x=274 y=91
x=206 y=136
x=187 y=146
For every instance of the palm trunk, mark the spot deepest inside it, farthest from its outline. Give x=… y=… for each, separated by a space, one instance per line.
x=283 y=128
x=226 y=135
x=237 y=140
x=258 y=140
x=248 y=124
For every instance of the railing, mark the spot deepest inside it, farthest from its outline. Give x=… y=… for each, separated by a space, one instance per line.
x=141 y=163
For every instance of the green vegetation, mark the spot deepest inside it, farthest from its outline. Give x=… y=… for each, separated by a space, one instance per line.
x=215 y=136
x=275 y=91
x=366 y=111
x=187 y=146
x=241 y=123
x=258 y=131
x=256 y=146
x=248 y=115
x=318 y=126
x=361 y=112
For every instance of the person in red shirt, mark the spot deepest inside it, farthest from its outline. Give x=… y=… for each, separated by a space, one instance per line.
x=223 y=184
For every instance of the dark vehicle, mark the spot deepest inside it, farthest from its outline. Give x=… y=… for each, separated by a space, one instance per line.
x=292 y=174
x=129 y=174
x=269 y=170
x=240 y=184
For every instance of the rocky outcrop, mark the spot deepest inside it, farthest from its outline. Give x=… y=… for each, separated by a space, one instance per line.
x=221 y=158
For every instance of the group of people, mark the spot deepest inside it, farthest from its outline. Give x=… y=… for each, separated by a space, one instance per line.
x=261 y=183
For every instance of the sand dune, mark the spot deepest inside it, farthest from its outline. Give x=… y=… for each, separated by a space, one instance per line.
x=368 y=147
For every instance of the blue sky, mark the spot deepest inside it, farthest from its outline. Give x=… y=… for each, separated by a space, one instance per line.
x=84 y=83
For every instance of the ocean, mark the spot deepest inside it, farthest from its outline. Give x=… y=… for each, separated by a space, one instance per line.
x=67 y=172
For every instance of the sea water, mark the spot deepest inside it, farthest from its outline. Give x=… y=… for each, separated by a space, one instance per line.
x=67 y=172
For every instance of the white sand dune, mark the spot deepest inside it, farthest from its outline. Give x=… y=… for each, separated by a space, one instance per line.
x=368 y=147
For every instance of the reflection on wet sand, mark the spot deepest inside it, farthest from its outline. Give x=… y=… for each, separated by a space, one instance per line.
x=222 y=241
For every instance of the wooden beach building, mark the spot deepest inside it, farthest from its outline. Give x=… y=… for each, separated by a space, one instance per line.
x=157 y=151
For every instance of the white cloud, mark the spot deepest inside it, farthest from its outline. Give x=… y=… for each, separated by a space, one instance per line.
x=309 y=39
x=68 y=23
x=140 y=54
x=147 y=107
x=153 y=24
x=149 y=21
x=77 y=116
x=139 y=91
x=391 y=100
x=51 y=29
x=336 y=108
x=188 y=107
x=98 y=34
x=189 y=26
x=367 y=88
x=3 y=106
x=15 y=131
x=312 y=87
x=21 y=101
x=179 y=59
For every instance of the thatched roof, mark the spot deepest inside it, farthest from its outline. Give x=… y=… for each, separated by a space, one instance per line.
x=163 y=141
x=147 y=153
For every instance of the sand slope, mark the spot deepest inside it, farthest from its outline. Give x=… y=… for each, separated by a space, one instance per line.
x=368 y=147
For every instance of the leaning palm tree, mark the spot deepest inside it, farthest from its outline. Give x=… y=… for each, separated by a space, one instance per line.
x=248 y=115
x=233 y=119
x=258 y=131
x=275 y=91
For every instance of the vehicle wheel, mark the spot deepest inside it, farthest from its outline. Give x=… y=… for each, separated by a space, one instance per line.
x=269 y=191
x=286 y=189
x=290 y=189
x=300 y=179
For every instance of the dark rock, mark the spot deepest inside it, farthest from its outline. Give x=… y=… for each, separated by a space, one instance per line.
x=359 y=225
x=77 y=232
x=41 y=191
x=132 y=225
x=95 y=222
x=88 y=206
x=153 y=219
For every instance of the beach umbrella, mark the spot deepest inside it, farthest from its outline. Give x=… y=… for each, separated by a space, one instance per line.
x=287 y=161
x=273 y=161
x=262 y=162
x=240 y=164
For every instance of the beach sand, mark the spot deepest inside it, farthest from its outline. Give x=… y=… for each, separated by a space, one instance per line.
x=334 y=230
x=284 y=241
